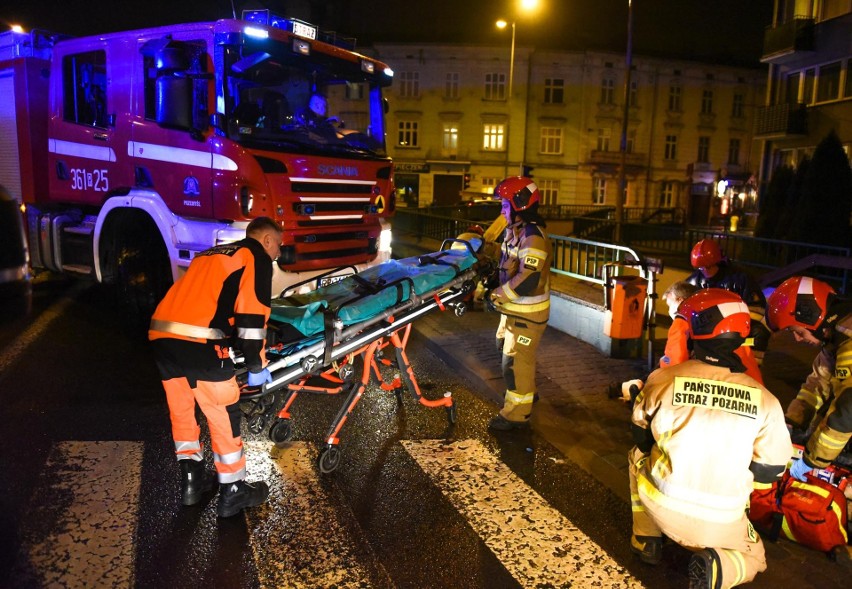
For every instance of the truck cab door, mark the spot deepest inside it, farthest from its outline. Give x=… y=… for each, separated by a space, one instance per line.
x=83 y=155
x=170 y=142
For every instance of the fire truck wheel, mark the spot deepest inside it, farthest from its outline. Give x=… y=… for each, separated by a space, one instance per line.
x=329 y=459
x=143 y=272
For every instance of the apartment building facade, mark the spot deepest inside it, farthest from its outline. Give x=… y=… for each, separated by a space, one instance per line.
x=808 y=50
x=456 y=128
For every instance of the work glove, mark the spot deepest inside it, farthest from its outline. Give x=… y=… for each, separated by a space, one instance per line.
x=799 y=469
x=258 y=379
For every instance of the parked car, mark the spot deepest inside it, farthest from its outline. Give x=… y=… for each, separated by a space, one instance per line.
x=15 y=275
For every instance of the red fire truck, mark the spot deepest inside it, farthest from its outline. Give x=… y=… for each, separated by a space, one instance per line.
x=133 y=151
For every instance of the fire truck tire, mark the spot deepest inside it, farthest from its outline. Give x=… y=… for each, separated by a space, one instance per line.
x=143 y=273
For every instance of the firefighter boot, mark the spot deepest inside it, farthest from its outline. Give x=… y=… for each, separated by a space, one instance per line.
x=648 y=548
x=197 y=481
x=234 y=497
x=705 y=570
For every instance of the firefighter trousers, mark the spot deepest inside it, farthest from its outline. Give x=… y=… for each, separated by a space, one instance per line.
x=218 y=401
x=520 y=342
x=740 y=549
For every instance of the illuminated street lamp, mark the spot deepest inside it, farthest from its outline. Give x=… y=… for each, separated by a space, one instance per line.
x=525 y=6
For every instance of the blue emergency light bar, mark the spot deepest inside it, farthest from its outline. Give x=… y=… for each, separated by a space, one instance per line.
x=297 y=27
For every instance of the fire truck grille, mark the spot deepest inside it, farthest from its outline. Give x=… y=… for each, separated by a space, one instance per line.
x=330 y=189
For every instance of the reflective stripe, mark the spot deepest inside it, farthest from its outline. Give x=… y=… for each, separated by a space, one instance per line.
x=534 y=252
x=810 y=399
x=187 y=330
x=231 y=458
x=761 y=486
x=739 y=565
x=512 y=306
x=187 y=446
x=251 y=333
x=710 y=514
x=636 y=503
x=520 y=399
x=231 y=477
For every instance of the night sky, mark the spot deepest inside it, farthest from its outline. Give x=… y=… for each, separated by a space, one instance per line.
x=724 y=31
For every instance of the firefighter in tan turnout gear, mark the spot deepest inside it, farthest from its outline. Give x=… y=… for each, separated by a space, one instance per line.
x=523 y=297
x=815 y=315
x=706 y=433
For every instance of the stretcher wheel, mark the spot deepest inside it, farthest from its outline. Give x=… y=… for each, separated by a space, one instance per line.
x=329 y=459
x=452 y=414
x=346 y=372
x=256 y=423
x=281 y=431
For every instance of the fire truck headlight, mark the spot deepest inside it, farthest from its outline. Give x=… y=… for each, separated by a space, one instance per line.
x=385 y=240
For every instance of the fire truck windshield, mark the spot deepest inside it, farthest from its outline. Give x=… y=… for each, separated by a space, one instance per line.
x=275 y=99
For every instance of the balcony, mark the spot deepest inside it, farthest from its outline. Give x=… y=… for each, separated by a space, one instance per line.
x=782 y=120
x=787 y=38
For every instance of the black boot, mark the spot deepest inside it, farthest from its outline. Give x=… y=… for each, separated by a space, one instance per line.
x=197 y=481
x=234 y=497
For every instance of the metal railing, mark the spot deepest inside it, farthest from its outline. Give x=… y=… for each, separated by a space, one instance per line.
x=585 y=260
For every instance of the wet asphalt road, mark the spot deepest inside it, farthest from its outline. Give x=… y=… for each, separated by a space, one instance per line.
x=75 y=371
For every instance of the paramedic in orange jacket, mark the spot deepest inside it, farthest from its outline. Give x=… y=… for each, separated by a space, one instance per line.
x=523 y=297
x=706 y=433
x=813 y=312
x=223 y=297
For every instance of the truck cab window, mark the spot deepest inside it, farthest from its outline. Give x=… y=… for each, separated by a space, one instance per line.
x=197 y=68
x=84 y=89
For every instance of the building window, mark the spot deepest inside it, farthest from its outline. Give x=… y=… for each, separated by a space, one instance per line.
x=549 y=190
x=633 y=99
x=734 y=152
x=703 y=149
x=674 y=98
x=707 y=102
x=791 y=90
x=450 y=143
x=551 y=140
x=828 y=85
x=808 y=90
x=354 y=91
x=599 y=191
x=603 y=139
x=847 y=91
x=607 y=90
x=409 y=84
x=451 y=85
x=631 y=141
x=667 y=195
x=554 y=91
x=671 y=147
x=738 y=105
x=492 y=137
x=495 y=86
x=408 y=134
x=489 y=184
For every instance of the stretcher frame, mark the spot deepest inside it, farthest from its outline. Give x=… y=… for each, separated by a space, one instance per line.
x=330 y=359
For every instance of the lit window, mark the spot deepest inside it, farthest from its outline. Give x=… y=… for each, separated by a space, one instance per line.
x=492 y=137
x=450 y=143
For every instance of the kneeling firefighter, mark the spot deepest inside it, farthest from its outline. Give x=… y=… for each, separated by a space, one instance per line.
x=706 y=433
x=522 y=298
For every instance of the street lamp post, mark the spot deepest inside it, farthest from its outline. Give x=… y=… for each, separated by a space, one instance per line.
x=502 y=24
x=622 y=171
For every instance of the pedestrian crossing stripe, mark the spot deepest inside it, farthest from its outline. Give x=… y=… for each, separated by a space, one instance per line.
x=81 y=526
x=82 y=522
x=507 y=513
x=297 y=539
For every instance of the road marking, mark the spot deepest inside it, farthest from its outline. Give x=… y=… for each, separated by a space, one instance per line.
x=297 y=538
x=16 y=348
x=80 y=529
x=537 y=544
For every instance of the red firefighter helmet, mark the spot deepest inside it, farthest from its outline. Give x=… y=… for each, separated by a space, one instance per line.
x=799 y=300
x=715 y=312
x=705 y=253
x=521 y=192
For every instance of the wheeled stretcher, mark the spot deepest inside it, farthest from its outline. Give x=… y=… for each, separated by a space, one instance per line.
x=314 y=339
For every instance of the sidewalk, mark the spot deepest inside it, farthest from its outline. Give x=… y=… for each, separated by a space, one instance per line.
x=575 y=414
